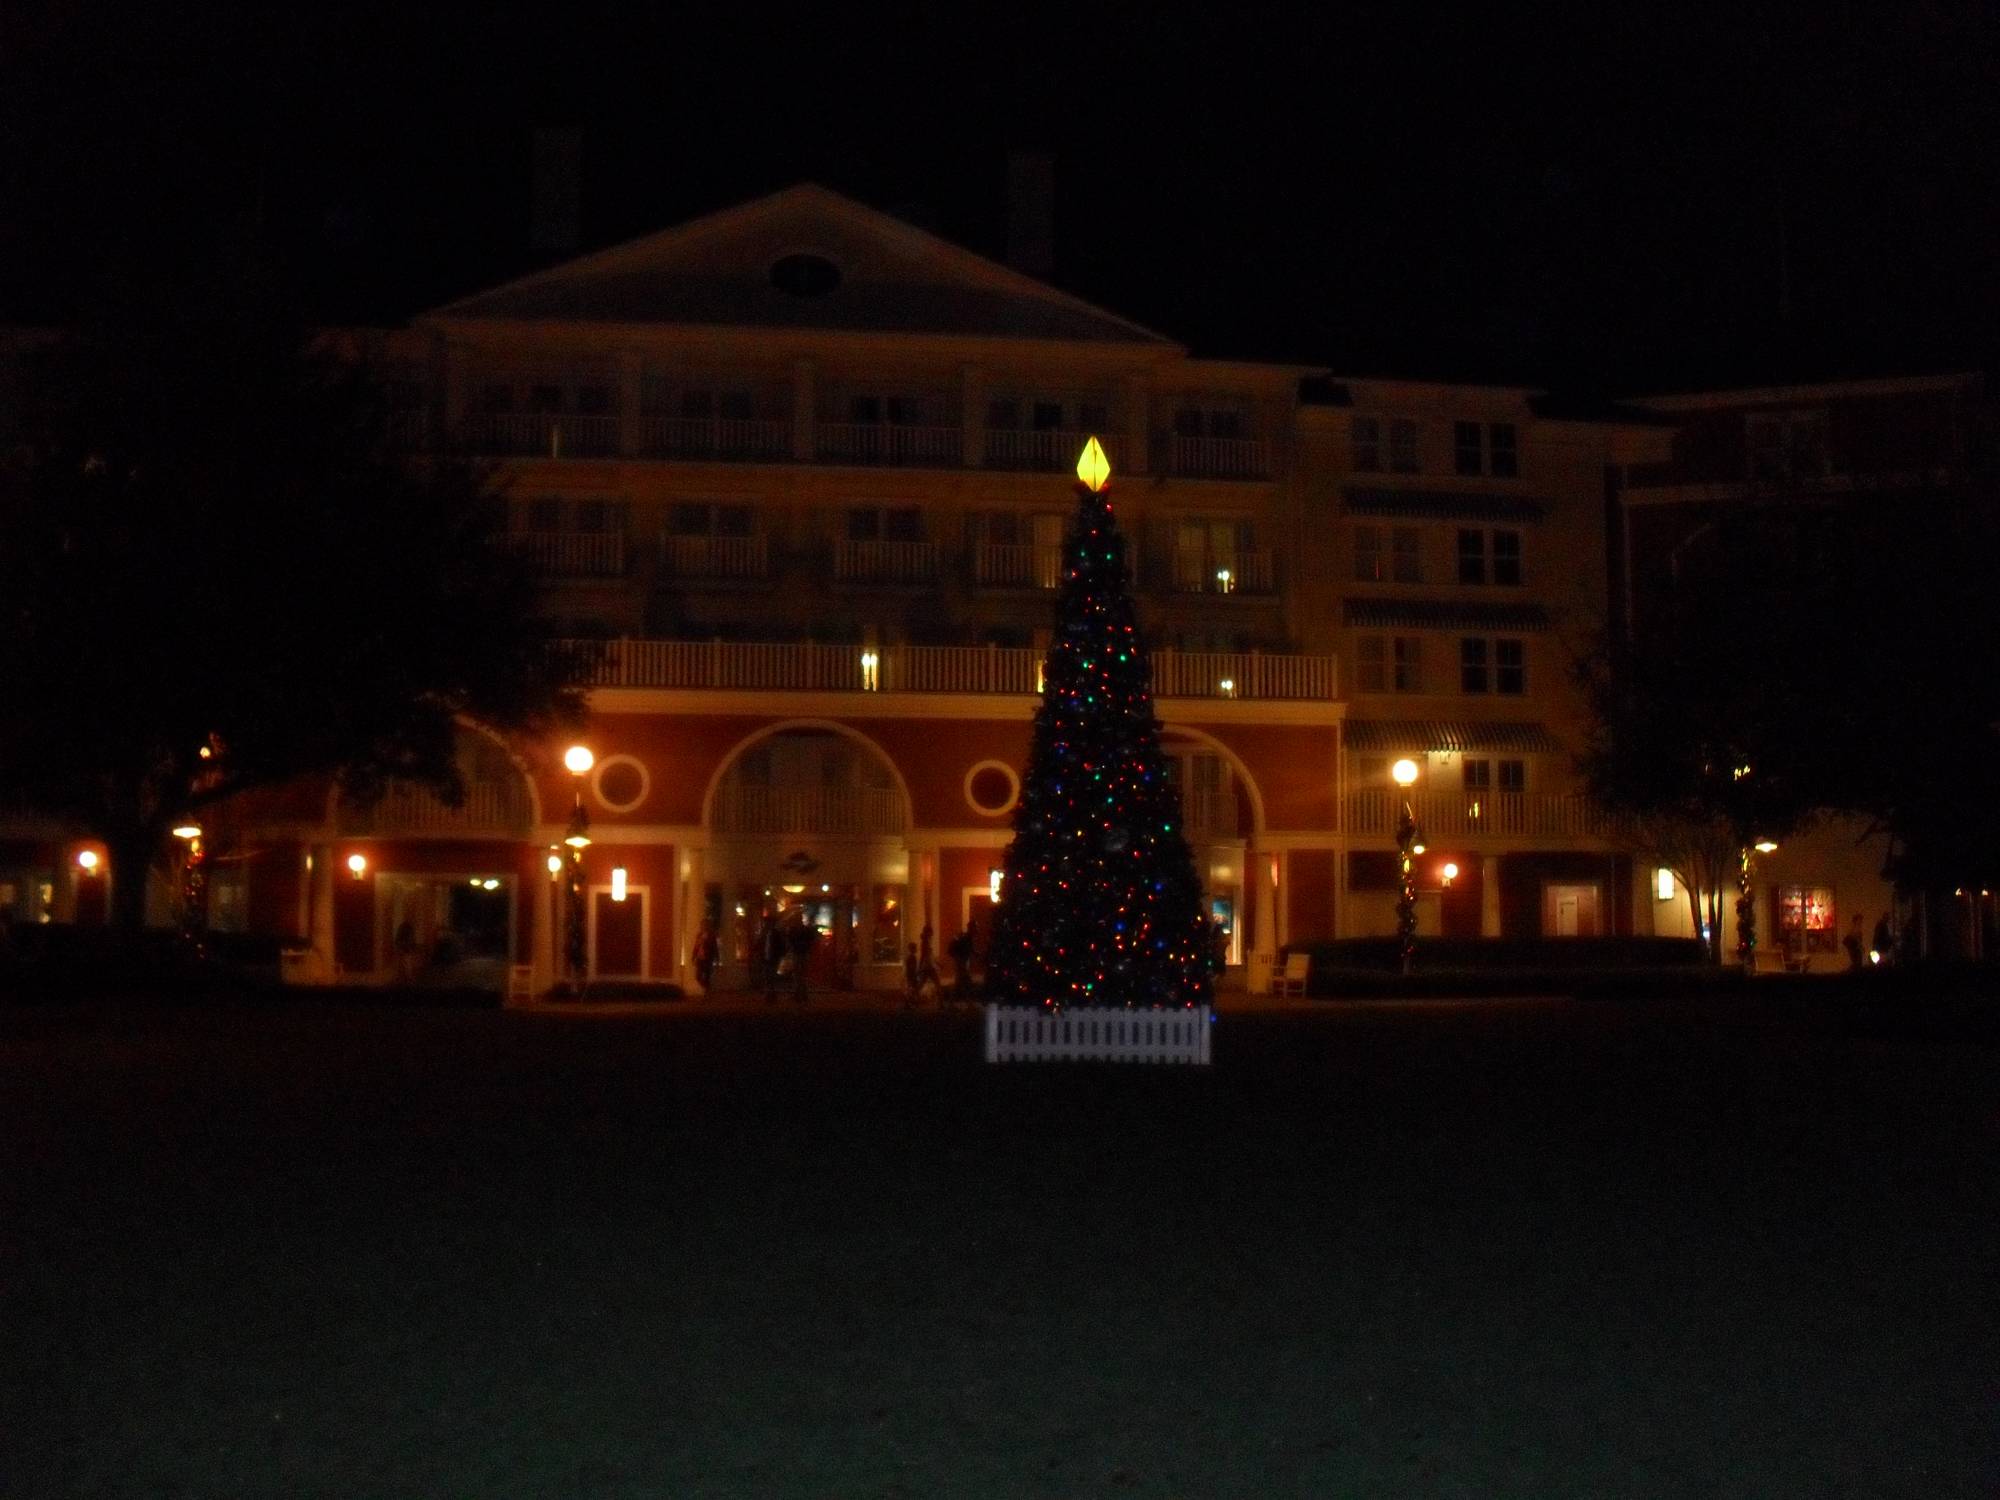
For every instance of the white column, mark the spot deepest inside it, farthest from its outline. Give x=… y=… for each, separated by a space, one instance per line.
x=1263 y=922
x=319 y=895
x=1489 y=896
x=805 y=409
x=548 y=913
x=694 y=902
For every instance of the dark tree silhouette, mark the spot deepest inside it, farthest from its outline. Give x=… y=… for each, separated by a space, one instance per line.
x=220 y=574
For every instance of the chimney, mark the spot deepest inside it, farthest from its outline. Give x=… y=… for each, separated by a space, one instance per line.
x=556 y=210
x=1031 y=212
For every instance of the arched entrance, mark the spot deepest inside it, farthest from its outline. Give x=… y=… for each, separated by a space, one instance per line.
x=440 y=900
x=806 y=826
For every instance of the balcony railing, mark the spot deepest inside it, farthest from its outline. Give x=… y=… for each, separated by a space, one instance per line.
x=811 y=667
x=1011 y=565
x=738 y=439
x=715 y=557
x=885 y=562
x=1209 y=812
x=572 y=554
x=540 y=435
x=1244 y=572
x=489 y=807
x=1213 y=457
x=889 y=444
x=850 y=810
x=1442 y=815
x=1050 y=451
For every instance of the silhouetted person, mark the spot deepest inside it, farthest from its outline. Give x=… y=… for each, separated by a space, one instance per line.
x=705 y=948
x=801 y=942
x=772 y=946
x=961 y=963
x=1884 y=945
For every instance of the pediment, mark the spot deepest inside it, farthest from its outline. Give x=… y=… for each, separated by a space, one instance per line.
x=767 y=265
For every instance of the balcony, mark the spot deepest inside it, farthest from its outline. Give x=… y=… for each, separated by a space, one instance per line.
x=1447 y=815
x=489 y=807
x=1049 y=451
x=715 y=558
x=572 y=554
x=727 y=439
x=853 y=811
x=889 y=445
x=809 y=667
x=539 y=435
x=1209 y=812
x=1243 y=572
x=905 y=563
x=1008 y=565
x=1212 y=457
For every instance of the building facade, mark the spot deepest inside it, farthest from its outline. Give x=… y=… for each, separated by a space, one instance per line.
x=803 y=472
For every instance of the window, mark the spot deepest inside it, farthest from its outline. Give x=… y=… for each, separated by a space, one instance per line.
x=1093 y=416
x=864 y=525
x=1513 y=776
x=1510 y=666
x=1478 y=775
x=906 y=411
x=594 y=400
x=1389 y=664
x=1472 y=676
x=903 y=523
x=592 y=516
x=545 y=398
x=1003 y=414
x=1409 y=556
x=1467 y=456
x=805 y=275
x=1367 y=436
x=496 y=397
x=545 y=514
x=1471 y=556
x=1402 y=445
x=1368 y=565
x=1806 y=919
x=709 y=520
x=864 y=409
x=1493 y=449
x=1507 y=557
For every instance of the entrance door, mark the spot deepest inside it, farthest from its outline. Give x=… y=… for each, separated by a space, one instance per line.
x=1569 y=910
x=618 y=935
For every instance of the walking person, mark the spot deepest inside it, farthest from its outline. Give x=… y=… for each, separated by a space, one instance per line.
x=927 y=969
x=800 y=941
x=910 y=977
x=774 y=952
x=961 y=964
x=705 y=948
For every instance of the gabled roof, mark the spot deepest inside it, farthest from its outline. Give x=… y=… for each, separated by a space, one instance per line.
x=717 y=272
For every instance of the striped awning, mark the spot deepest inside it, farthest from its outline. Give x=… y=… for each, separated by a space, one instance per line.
x=1442 y=614
x=1440 y=505
x=1522 y=737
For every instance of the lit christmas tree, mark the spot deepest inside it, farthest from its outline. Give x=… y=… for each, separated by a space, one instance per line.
x=1101 y=904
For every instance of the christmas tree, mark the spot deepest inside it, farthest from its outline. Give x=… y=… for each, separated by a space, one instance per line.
x=1101 y=904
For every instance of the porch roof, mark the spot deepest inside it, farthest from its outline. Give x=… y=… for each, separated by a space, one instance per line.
x=1440 y=505
x=1521 y=736
x=1442 y=614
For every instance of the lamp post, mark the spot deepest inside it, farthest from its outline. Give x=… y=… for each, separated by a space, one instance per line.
x=1409 y=844
x=577 y=760
x=1746 y=904
x=194 y=882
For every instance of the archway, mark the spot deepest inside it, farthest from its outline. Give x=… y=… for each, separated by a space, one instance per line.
x=1222 y=814
x=806 y=824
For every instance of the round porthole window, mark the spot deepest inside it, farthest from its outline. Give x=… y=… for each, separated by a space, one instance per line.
x=992 y=788
x=805 y=275
x=621 y=782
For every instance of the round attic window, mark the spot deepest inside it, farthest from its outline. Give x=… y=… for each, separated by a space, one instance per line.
x=805 y=275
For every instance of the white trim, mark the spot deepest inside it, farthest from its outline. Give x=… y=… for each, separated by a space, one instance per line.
x=1013 y=781
x=779 y=726
x=621 y=759
x=1002 y=708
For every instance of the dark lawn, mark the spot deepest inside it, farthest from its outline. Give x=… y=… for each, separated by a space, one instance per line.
x=1524 y=1248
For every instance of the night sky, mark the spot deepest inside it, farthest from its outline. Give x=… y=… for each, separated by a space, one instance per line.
x=1597 y=197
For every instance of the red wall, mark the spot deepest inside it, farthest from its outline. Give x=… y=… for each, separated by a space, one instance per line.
x=1309 y=902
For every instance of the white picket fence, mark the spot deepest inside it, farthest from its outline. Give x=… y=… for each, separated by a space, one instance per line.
x=1021 y=1033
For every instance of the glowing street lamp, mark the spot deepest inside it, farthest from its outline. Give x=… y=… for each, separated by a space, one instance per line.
x=577 y=760
x=194 y=883
x=1409 y=844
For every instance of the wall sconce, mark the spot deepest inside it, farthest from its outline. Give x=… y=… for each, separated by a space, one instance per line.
x=554 y=864
x=1663 y=884
x=617 y=882
x=357 y=865
x=871 y=672
x=1765 y=846
x=1225 y=581
x=993 y=879
x=1227 y=687
x=1448 y=874
x=87 y=861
